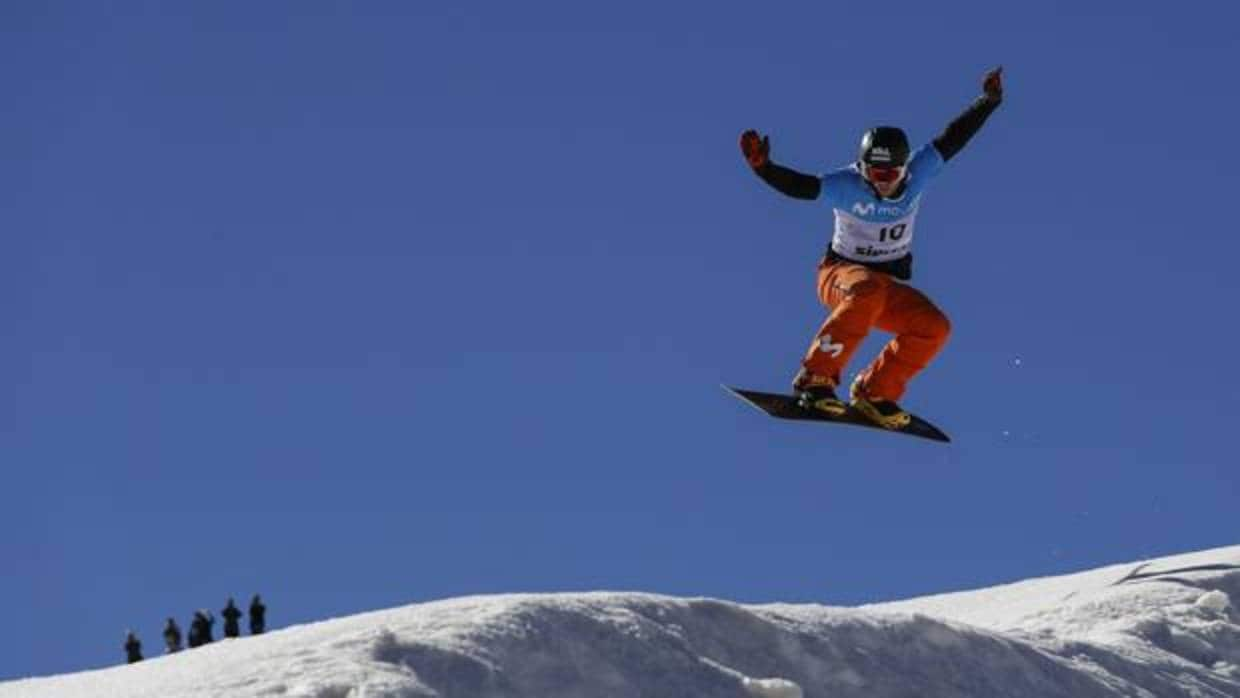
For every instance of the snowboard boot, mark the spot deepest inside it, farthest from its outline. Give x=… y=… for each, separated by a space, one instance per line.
x=885 y=413
x=816 y=392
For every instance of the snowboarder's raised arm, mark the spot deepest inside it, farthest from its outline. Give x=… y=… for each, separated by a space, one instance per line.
x=965 y=126
x=757 y=151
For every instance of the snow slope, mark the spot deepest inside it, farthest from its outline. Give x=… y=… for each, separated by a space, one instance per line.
x=1157 y=629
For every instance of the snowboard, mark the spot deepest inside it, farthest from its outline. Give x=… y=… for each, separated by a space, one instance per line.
x=786 y=407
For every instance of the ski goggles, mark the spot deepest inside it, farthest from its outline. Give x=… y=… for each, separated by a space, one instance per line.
x=878 y=173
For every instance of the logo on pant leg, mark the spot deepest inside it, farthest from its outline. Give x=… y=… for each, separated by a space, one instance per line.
x=828 y=346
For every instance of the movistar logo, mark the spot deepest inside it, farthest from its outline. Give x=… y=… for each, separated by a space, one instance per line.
x=830 y=346
x=867 y=208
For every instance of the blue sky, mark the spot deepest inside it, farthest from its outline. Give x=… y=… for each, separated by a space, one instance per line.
x=356 y=305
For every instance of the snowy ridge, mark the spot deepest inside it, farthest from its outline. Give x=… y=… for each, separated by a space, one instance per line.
x=1161 y=629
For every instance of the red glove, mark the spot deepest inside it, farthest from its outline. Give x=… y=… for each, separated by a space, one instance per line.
x=992 y=84
x=757 y=149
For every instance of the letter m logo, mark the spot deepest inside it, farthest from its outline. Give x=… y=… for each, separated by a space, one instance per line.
x=863 y=209
x=828 y=345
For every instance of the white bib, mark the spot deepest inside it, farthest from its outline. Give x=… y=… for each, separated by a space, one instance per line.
x=873 y=241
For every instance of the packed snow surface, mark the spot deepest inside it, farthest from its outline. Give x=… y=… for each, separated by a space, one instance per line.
x=1155 y=629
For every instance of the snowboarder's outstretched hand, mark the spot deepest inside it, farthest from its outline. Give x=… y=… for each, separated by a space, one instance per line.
x=992 y=84
x=757 y=149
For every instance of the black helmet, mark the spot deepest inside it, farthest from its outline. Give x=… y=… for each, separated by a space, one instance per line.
x=885 y=146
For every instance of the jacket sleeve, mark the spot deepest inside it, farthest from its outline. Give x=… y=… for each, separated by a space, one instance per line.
x=790 y=182
x=953 y=138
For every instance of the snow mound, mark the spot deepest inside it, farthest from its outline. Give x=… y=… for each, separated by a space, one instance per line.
x=1164 y=628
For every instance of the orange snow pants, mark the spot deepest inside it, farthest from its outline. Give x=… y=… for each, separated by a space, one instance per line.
x=859 y=299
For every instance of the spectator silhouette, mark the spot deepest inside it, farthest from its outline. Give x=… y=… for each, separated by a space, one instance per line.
x=133 y=648
x=194 y=638
x=172 y=637
x=258 y=616
x=232 y=614
x=200 y=628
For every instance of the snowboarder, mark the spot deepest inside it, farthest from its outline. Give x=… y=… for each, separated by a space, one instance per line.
x=172 y=637
x=874 y=202
x=232 y=614
x=133 y=647
x=258 y=616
